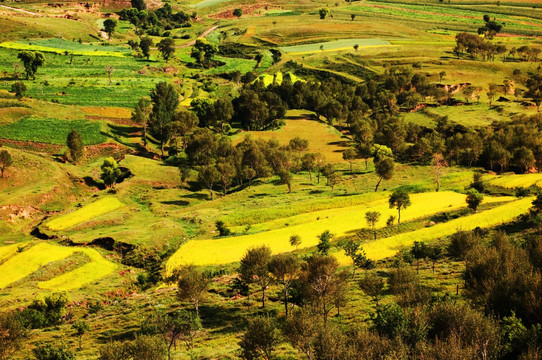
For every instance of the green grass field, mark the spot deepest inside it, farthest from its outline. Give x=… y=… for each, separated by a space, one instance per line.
x=52 y=131
x=340 y=221
x=86 y=213
x=343 y=44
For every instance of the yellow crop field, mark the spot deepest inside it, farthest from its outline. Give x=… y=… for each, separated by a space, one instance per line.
x=8 y=251
x=25 y=263
x=309 y=226
x=92 y=271
x=86 y=213
x=387 y=247
x=20 y=46
x=514 y=181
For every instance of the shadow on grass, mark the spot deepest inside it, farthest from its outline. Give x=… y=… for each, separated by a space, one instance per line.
x=176 y=202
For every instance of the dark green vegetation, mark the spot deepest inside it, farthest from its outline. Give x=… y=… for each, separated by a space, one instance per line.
x=142 y=129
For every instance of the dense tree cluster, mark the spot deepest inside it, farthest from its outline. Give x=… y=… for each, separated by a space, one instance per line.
x=155 y=22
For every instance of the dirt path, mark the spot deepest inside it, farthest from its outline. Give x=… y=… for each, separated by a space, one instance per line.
x=20 y=10
x=192 y=42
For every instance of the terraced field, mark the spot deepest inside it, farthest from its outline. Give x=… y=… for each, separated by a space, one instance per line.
x=512 y=181
x=86 y=213
x=339 y=221
x=22 y=264
x=344 y=44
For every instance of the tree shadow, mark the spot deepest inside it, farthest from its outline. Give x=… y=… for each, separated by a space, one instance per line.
x=176 y=202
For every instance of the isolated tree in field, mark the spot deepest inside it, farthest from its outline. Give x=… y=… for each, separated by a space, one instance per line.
x=474 y=199
x=5 y=161
x=238 y=12
x=384 y=169
x=109 y=70
x=356 y=47
x=434 y=253
x=81 y=327
x=372 y=218
x=372 y=285
x=19 y=88
x=351 y=248
x=399 y=199
x=208 y=176
x=323 y=12
x=141 y=115
x=31 y=62
x=295 y=240
x=109 y=26
x=110 y=172
x=167 y=48
x=75 y=146
x=192 y=285
x=12 y=333
x=349 y=155
x=333 y=179
x=260 y=339
x=255 y=268
x=353 y=17
x=284 y=268
x=438 y=163
x=308 y=163
x=145 y=45
x=441 y=75
x=164 y=104
x=325 y=242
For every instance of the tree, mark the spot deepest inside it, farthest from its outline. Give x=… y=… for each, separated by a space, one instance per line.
x=300 y=330
x=81 y=327
x=260 y=339
x=284 y=268
x=141 y=115
x=179 y=324
x=184 y=124
x=438 y=163
x=356 y=46
x=12 y=333
x=474 y=199
x=208 y=175
x=75 y=146
x=164 y=104
x=192 y=285
x=31 y=61
x=352 y=17
x=295 y=240
x=143 y=347
x=226 y=170
x=5 y=161
x=109 y=26
x=238 y=12
x=110 y=172
x=167 y=48
x=434 y=253
x=325 y=242
x=323 y=12
x=203 y=51
x=419 y=251
x=372 y=285
x=400 y=200
x=138 y=4
x=349 y=155
x=324 y=282
x=441 y=75
x=19 y=88
x=254 y=268
x=372 y=218
x=384 y=169
x=109 y=70
x=145 y=45
x=49 y=352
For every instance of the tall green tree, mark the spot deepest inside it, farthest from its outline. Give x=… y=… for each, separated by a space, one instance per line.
x=284 y=268
x=399 y=199
x=384 y=169
x=255 y=268
x=474 y=199
x=31 y=62
x=81 y=327
x=192 y=285
x=75 y=146
x=325 y=242
x=19 y=88
x=141 y=115
x=167 y=48
x=145 y=45
x=260 y=339
x=5 y=161
x=372 y=218
x=203 y=51
x=165 y=101
x=109 y=26
x=208 y=176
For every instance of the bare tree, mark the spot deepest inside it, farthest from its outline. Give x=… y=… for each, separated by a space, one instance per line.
x=109 y=70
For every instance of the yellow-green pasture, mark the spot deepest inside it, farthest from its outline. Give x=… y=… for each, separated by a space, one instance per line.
x=339 y=221
x=86 y=213
x=511 y=181
x=21 y=265
x=387 y=247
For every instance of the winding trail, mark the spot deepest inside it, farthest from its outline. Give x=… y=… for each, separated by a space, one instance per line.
x=20 y=10
x=203 y=35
